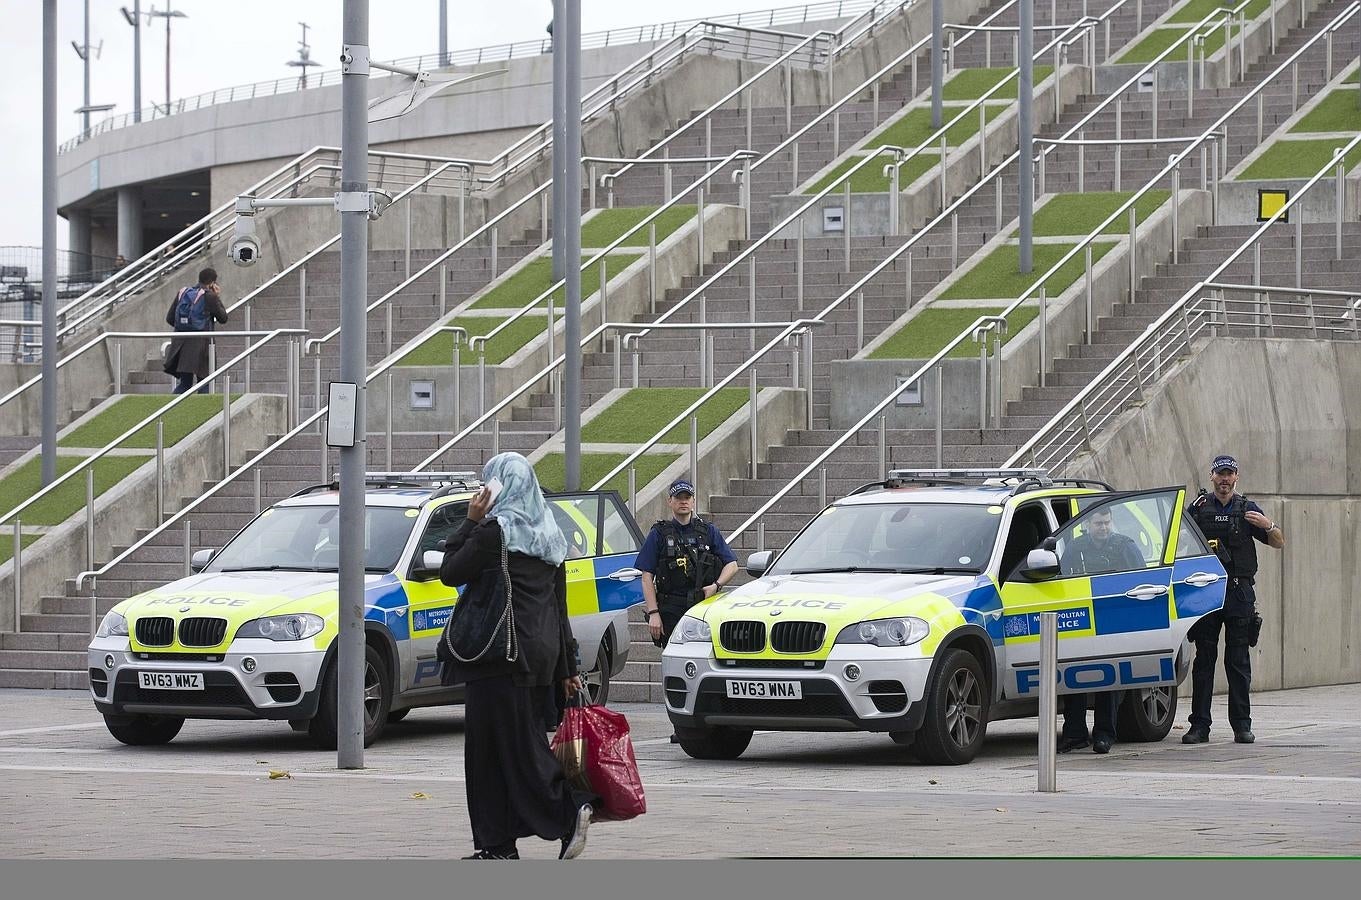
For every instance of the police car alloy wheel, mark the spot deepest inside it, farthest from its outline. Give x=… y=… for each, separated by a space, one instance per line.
x=377 y=698
x=1146 y=716
x=956 y=711
x=144 y=731
x=598 y=679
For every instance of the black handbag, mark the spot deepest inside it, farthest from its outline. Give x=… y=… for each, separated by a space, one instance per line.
x=482 y=623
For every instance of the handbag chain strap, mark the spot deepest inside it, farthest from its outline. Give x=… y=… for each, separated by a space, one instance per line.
x=506 y=621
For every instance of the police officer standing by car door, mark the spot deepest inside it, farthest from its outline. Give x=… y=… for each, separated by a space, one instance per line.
x=1231 y=522
x=684 y=560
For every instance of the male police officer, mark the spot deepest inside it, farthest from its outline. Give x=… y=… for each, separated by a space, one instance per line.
x=684 y=560
x=1099 y=549
x=1231 y=522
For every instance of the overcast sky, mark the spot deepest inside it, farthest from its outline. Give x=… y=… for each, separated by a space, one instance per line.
x=227 y=42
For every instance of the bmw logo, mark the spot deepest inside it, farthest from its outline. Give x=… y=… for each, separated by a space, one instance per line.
x=775 y=612
x=185 y=609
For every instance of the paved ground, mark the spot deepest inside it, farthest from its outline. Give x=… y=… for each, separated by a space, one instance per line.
x=67 y=789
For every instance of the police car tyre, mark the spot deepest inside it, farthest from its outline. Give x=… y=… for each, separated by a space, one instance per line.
x=1146 y=716
x=598 y=679
x=956 y=719
x=720 y=742
x=377 y=699
x=144 y=731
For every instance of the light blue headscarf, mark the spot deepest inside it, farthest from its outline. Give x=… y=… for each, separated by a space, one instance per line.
x=526 y=522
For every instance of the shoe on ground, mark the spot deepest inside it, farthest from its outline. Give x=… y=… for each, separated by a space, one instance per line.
x=1101 y=744
x=1244 y=737
x=575 y=842
x=487 y=854
x=1196 y=736
x=1068 y=743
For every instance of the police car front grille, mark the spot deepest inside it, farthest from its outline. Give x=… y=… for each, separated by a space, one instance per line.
x=797 y=637
x=196 y=631
x=742 y=637
x=814 y=664
x=156 y=631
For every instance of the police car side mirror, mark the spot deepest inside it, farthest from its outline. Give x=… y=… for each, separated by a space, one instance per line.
x=1040 y=565
x=428 y=565
x=759 y=562
x=199 y=561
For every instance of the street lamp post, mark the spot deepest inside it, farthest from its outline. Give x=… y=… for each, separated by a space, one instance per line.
x=134 y=18
x=83 y=51
x=304 y=56
x=167 y=14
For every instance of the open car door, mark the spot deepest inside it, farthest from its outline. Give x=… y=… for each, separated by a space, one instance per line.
x=1128 y=576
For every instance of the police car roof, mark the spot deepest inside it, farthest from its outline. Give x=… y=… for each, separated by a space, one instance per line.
x=399 y=497
x=980 y=494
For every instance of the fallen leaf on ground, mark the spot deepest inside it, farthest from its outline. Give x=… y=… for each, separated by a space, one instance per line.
x=1001 y=809
x=278 y=773
x=420 y=795
x=933 y=781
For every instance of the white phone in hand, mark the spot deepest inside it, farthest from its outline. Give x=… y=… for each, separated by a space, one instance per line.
x=493 y=487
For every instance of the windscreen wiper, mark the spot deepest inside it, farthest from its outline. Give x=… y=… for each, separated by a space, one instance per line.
x=273 y=568
x=843 y=569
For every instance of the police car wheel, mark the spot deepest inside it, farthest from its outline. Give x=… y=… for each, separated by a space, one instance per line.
x=721 y=742
x=377 y=699
x=144 y=731
x=1146 y=716
x=598 y=679
x=956 y=718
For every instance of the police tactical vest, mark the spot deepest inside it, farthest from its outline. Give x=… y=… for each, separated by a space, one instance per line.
x=1229 y=533
x=687 y=562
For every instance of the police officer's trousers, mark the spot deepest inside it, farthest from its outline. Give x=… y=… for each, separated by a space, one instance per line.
x=1236 y=620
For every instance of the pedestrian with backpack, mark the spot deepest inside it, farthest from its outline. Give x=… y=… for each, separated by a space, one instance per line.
x=193 y=309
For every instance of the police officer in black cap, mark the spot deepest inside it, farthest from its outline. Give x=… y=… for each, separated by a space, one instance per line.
x=1231 y=522
x=684 y=560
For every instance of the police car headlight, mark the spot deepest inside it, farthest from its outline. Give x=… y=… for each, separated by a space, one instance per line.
x=114 y=625
x=691 y=630
x=902 y=632
x=296 y=627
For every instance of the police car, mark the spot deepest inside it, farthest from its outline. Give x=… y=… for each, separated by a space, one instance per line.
x=912 y=607
x=253 y=633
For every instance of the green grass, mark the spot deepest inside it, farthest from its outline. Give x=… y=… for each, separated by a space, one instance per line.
x=915 y=127
x=636 y=416
x=927 y=333
x=971 y=84
x=1150 y=47
x=1214 y=40
x=438 y=350
x=996 y=276
x=1297 y=159
x=872 y=180
x=1338 y=111
x=594 y=466
x=7 y=543
x=69 y=498
x=126 y=412
x=1194 y=10
x=1079 y=214
x=609 y=224
x=536 y=277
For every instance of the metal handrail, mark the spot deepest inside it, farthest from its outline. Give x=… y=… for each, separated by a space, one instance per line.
x=269 y=336
x=1176 y=312
x=1341 y=19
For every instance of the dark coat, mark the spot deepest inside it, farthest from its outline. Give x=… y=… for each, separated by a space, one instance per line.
x=548 y=653
x=189 y=356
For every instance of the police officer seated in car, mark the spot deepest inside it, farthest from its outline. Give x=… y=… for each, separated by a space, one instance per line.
x=1099 y=549
x=684 y=560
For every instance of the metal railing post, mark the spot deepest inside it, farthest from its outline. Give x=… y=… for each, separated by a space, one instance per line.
x=226 y=425
x=940 y=415
x=1048 y=701
x=160 y=471
x=859 y=321
x=798 y=268
x=1044 y=336
x=794 y=166
x=633 y=489
x=90 y=517
x=1133 y=246
x=316 y=391
x=443 y=287
x=883 y=445
x=458 y=383
x=997 y=379
x=302 y=297
x=618 y=360
x=1154 y=105
x=1299 y=250
x=604 y=298
x=694 y=453
x=822 y=487
x=1340 y=188
x=846 y=223
x=808 y=375
x=1081 y=162
x=407 y=246
x=651 y=270
x=18 y=578
x=1119 y=163
x=1176 y=203
x=188 y=548
x=387 y=446
x=1087 y=290
x=256 y=489
x=699 y=226
x=754 y=412
x=709 y=360
x=495 y=435
x=893 y=190
x=983 y=379
x=907 y=280
x=118 y=365
x=495 y=246
x=1190 y=77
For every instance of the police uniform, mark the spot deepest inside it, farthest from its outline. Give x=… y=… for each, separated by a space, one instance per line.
x=683 y=560
x=1232 y=538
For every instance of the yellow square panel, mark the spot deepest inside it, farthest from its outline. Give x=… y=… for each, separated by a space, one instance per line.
x=1270 y=202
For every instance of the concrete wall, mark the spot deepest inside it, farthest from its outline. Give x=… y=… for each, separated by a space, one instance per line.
x=860 y=383
x=1289 y=410
x=131 y=505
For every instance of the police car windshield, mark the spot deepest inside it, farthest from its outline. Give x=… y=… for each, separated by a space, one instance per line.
x=894 y=537
x=307 y=538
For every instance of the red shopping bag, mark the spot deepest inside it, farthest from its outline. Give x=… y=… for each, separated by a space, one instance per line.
x=593 y=745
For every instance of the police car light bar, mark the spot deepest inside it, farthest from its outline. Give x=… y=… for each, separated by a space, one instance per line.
x=432 y=479
x=977 y=475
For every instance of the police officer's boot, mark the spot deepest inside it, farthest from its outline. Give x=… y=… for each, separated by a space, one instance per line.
x=1196 y=735
x=1244 y=737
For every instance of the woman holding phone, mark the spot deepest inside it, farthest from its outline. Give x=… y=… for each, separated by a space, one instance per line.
x=515 y=785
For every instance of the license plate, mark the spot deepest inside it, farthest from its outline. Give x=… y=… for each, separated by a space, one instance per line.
x=765 y=690
x=172 y=681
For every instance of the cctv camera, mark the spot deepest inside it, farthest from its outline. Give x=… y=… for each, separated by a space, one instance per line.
x=244 y=250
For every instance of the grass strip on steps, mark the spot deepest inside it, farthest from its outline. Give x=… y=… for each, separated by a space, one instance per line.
x=1338 y=111
x=1155 y=42
x=438 y=349
x=997 y=275
x=69 y=498
x=116 y=419
x=915 y=127
x=871 y=179
x=640 y=412
x=930 y=330
x=607 y=225
x=1297 y=159
x=1193 y=11
x=7 y=542
x=594 y=466
x=535 y=278
x=1079 y=214
x=971 y=84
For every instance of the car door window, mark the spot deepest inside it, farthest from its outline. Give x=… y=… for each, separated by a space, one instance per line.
x=1189 y=542
x=443 y=523
x=578 y=517
x=1117 y=536
x=617 y=532
x=1029 y=526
